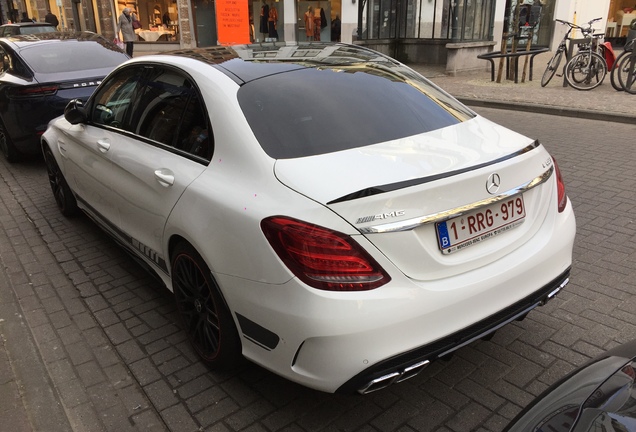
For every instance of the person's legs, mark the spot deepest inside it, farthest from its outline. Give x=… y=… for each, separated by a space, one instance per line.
x=129 y=48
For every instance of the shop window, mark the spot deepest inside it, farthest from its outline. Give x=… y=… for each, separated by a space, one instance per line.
x=459 y=20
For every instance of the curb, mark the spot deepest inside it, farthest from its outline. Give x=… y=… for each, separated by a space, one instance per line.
x=551 y=110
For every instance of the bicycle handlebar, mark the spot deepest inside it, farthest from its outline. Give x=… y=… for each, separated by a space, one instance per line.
x=578 y=26
x=585 y=30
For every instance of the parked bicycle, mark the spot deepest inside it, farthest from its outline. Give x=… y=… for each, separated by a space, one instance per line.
x=623 y=75
x=587 y=69
x=583 y=71
x=562 y=49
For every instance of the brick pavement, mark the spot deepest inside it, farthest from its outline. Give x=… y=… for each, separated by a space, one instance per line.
x=88 y=380
x=110 y=347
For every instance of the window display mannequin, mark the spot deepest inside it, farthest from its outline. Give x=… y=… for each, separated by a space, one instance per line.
x=264 y=26
x=317 y=23
x=272 y=22
x=309 y=23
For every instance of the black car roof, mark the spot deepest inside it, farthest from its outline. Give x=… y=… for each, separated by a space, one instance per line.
x=245 y=63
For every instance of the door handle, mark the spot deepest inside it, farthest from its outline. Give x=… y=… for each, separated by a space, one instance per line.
x=103 y=145
x=165 y=177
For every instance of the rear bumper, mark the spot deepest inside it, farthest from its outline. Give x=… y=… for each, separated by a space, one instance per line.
x=409 y=364
x=28 y=118
x=338 y=341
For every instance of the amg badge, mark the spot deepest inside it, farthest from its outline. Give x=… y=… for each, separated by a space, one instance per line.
x=381 y=216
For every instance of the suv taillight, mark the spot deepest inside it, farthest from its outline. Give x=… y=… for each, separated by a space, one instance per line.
x=323 y=258
x=561 y=195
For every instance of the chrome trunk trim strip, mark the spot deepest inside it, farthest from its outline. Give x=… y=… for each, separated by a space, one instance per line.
x=412 y=223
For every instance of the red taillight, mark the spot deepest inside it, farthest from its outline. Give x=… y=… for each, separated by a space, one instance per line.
x=34 y=91
x=323 y=258
x=561 y=195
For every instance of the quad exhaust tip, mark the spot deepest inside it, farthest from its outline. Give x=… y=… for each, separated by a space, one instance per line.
x=393 y=377
x=410 y=371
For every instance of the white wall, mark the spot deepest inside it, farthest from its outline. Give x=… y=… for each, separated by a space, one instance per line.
x=290 y=16
x=579 y=12
x=348 y=20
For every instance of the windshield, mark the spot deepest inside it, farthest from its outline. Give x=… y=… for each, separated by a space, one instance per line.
x=65 y=55
x=322 y=110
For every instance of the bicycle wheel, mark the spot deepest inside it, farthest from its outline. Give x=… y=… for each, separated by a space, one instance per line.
x=586 y=71
x=619 y=68
x=553 y=65
x=628 y=79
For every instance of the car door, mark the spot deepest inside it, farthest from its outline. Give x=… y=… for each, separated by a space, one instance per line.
x=85 y=148
x=169 y=147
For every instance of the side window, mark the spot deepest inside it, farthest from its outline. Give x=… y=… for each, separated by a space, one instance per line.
x=6 y=62
x=169 y=111
x=160 y=106
x=195 y=136
x=112 y=104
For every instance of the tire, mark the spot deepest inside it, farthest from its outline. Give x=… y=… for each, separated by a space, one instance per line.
x=618 y=69
x=585 y=71
x=7 y=148
x=628 y=78
x=62 y=193
x=206 y=318
x=553 y=66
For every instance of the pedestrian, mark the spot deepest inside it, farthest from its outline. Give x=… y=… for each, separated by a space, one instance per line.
x=125 y=26
x=25 y=17
x=336 y=29
x=51 y=19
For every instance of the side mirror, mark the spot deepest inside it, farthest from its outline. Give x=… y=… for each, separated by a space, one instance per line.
x=74 y=112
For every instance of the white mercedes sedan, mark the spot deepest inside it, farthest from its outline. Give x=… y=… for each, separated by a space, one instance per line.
x=319 y=209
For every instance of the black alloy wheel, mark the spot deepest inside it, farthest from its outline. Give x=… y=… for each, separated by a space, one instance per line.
x=206 y=318
x=6 y=146
x=62 y=193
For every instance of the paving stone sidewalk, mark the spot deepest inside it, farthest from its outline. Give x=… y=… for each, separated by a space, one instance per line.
x=58 y=370
x=477 y=89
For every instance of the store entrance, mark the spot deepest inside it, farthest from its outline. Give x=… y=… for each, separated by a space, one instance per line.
x=540 y=12
x=205 y=19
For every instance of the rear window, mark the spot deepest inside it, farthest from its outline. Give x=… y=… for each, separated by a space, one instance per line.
x=36 y=29
x=70 y=55
x=316 y=111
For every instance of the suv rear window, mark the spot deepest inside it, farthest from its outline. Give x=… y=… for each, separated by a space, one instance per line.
x=64 y=56
x=36 y=29
x=316 y=111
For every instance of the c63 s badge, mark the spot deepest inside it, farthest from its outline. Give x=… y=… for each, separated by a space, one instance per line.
x=381 y=216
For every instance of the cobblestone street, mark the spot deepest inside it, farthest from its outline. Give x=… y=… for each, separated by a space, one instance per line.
x=111 y=347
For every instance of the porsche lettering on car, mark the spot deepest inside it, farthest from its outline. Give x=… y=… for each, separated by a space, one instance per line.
x=317 y=208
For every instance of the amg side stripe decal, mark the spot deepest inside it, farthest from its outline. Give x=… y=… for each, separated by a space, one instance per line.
x=126 y=239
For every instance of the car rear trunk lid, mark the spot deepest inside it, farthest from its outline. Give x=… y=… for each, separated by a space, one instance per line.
x=394 y=193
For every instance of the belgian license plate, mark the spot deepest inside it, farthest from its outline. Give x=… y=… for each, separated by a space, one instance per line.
x=480 y=225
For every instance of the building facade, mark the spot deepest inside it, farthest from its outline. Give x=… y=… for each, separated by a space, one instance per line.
x=424 y=31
